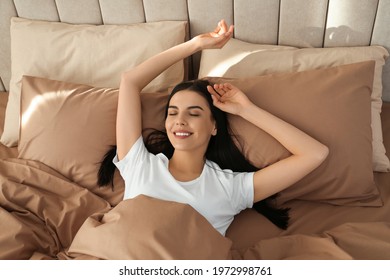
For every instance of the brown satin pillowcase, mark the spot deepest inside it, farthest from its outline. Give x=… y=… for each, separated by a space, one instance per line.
x=70 y=127
x=333 y=106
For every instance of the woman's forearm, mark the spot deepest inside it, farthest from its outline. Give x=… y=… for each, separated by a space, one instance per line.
x=144 y=73
x=292 y=138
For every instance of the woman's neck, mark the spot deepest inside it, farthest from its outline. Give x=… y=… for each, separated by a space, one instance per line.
x=186 y=166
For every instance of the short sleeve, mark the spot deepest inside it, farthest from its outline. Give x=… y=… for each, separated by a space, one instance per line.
x=137 y=154
x=243 y=192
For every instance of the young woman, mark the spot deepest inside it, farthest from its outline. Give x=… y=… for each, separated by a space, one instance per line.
x=195 y=161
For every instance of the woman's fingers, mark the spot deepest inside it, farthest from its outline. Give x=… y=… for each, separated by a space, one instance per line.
x=218 y=38
x=216 y=31
x=223 y=26
x=219 y=88
x=220 y=91
x=215 y=97
x=223 y=88
x=213 y=92
x=228 y=86
x=217 y=94
x=220 y=29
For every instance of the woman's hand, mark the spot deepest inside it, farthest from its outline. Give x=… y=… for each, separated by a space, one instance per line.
x=229 y=98
x=215 y=39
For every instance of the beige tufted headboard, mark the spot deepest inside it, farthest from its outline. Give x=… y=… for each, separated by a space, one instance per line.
x=299 y=23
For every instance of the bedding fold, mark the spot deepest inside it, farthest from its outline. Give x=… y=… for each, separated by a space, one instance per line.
x=149 y=228
x=41 y=211
x=349 y=241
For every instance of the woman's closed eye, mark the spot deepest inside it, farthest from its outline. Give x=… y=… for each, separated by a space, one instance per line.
x=194 y=114
x=193 y=111
x=172 y=113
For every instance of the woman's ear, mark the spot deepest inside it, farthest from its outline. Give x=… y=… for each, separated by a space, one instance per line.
x=214 y=132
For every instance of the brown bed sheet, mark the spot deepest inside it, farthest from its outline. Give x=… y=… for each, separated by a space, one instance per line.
x=312 y=217
x=148 y=234
x=41 y=210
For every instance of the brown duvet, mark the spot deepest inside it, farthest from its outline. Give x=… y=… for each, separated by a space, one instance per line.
x=45 y=216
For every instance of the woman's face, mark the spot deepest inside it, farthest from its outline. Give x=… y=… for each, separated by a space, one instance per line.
x=189 y=123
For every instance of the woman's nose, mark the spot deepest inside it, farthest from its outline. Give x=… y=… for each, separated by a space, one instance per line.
x=180 y=120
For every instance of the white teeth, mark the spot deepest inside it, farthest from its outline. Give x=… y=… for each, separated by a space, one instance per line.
x=182 y=134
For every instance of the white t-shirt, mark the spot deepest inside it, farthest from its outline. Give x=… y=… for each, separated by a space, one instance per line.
x=216 y=194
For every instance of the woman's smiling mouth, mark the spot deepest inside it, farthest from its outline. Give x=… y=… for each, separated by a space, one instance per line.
x=182 y=134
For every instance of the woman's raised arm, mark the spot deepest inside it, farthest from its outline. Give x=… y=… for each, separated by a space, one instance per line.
x=307 y=153
x=128 y=123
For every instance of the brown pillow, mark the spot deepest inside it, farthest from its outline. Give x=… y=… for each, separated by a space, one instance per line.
x=70 y=127
x=333 y=106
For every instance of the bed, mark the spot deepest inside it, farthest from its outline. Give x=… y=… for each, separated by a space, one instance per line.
x=321 y=65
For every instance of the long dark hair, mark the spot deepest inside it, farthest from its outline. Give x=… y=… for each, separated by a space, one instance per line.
x=223 y=149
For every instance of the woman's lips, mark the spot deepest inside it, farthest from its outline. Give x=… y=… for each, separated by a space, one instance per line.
x=182 y=134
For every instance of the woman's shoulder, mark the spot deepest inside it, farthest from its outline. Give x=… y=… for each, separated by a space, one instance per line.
x=214 y=167
x=226 y=173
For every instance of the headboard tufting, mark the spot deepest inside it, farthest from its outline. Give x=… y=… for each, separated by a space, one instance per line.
x=299 y=23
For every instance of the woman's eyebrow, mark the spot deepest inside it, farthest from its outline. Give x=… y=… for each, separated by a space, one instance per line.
x=195 y=107
x=188 y=108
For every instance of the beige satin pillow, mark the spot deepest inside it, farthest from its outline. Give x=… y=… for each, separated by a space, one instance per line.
x=240 y=59
x=85 y=54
